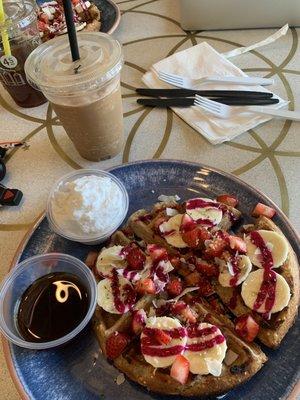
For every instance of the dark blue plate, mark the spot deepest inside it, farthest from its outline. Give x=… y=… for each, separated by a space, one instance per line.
x=110 y=14
x=77 y=371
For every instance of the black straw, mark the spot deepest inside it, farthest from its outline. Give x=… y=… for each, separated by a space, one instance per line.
x=71 y=29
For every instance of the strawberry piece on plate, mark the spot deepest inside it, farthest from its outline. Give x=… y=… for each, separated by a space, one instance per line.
x=175 y=261
x=237 y=243
x=180 y=308
x=180 y=369
x=138 y=321
x=228 y=199
x=215 y=248
x=157 y=252
x=262 y=209
x=174 y=287
x=116 y=344
x=246 y=327
x=205 y=287
x=208 y=269
x=162 y=337
x=135 y=258
x=145 y=286
x=196 y=237
x=187 y=223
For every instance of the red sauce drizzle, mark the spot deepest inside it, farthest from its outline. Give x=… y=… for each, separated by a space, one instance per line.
x=268 y=287
x=145 y=218
x=200 y=203
x=130 y=295
x=148 y=342
x=208 y=344
x=234 y=280
x=161 y=352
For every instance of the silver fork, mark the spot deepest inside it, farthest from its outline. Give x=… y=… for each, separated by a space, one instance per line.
x=224 y=111
x=188 y=83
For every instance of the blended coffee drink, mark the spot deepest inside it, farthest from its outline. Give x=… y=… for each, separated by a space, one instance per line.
x=85 y=94
x=23 y=37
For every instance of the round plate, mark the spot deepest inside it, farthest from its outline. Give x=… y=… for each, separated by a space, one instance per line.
x=78 y=371
x=110 y=14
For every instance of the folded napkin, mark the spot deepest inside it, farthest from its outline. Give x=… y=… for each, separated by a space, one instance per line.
x=200 y=61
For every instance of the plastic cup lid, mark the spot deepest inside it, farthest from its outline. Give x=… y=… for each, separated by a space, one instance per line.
x=51 y=69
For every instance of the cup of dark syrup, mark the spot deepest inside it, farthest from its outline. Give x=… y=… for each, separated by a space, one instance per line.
x=46 y=300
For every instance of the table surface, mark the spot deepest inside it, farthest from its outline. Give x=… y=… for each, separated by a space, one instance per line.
x=267 y=157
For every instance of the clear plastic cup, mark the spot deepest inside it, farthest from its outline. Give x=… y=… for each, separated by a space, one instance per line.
x=85 y=94
x=90 y=239
x=23 y=275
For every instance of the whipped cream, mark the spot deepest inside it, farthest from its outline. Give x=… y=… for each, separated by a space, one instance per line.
x=89 y=205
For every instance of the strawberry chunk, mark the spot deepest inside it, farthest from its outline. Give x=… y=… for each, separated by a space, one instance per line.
x=205 y=287
x=134 y=256
x=246 y=327
x=145 y=286
x=228 y=199
x=262 y=209
x=44 y=17
x=138 y=321
x=157 y=252
x=183 y=310
x=208 y=269
x=162 y=337
x=174 y=287
x=215 y=248
x=116 y=344
x=180 y=369
x=237 y=243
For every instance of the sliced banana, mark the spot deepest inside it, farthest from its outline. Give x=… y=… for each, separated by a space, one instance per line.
x=106 y=298
x=171 y=231
x=208 y=361
x=210 y=213
x=276 y=243
x=226 y=276
x=251 y=288
x=167 y=324
x=110 y=258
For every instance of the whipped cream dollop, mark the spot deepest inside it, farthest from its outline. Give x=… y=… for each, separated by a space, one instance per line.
x=88 y=205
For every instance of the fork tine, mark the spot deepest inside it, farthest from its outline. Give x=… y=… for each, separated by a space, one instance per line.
x=169 y=78
x=208 y=102
x=208 y=105
x=174 y=76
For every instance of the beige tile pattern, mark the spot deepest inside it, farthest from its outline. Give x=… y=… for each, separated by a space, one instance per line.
x=267 y=157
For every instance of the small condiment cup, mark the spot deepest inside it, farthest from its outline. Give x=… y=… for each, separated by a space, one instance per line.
x=23 y=275
x=90 y=239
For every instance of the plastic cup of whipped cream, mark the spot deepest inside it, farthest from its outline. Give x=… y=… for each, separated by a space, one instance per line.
x=87 y=206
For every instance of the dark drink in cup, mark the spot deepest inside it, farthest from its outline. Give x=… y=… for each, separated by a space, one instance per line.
x=23 y=36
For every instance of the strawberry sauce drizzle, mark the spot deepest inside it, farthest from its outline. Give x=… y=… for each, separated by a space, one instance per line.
x=200 y=203
x=234 y=280
x=268 y=287
x=208 y=344
x=129 y=301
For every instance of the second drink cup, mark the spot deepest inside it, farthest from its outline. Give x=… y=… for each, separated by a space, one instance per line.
x=85 y=94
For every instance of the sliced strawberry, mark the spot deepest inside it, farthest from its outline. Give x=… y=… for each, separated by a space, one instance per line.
x=157 y=252
x=195 y=237
x=162 y=337
x=138 y=321
x=116 y=344
x=187 y=224
x=42 y=26
x=228 y=199
x=44 y=17
x=207 y=269
x=145 y=286
x=205 y=287
x=246 y=327
x=262 y=209
x=237 y=243
x=180 y=369
x=134 y=256
x=183 y=310
x=174 y=287
x=215 y=248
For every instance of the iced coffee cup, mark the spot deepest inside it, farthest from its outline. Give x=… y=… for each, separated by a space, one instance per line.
x=85 y=94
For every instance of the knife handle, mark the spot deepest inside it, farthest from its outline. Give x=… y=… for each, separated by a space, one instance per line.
x=176 y=102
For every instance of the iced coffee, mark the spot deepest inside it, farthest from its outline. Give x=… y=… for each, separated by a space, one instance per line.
x=85 y=94
x=22 y=34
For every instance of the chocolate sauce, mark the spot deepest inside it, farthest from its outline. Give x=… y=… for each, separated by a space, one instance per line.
x=51 y=307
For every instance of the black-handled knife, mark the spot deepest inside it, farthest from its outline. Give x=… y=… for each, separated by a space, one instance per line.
x=189 y=101
x=205 y=93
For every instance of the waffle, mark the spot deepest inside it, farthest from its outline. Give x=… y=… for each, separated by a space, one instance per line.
x=243 y=358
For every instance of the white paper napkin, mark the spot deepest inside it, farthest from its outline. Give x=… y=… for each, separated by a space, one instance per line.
x=199 y=61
